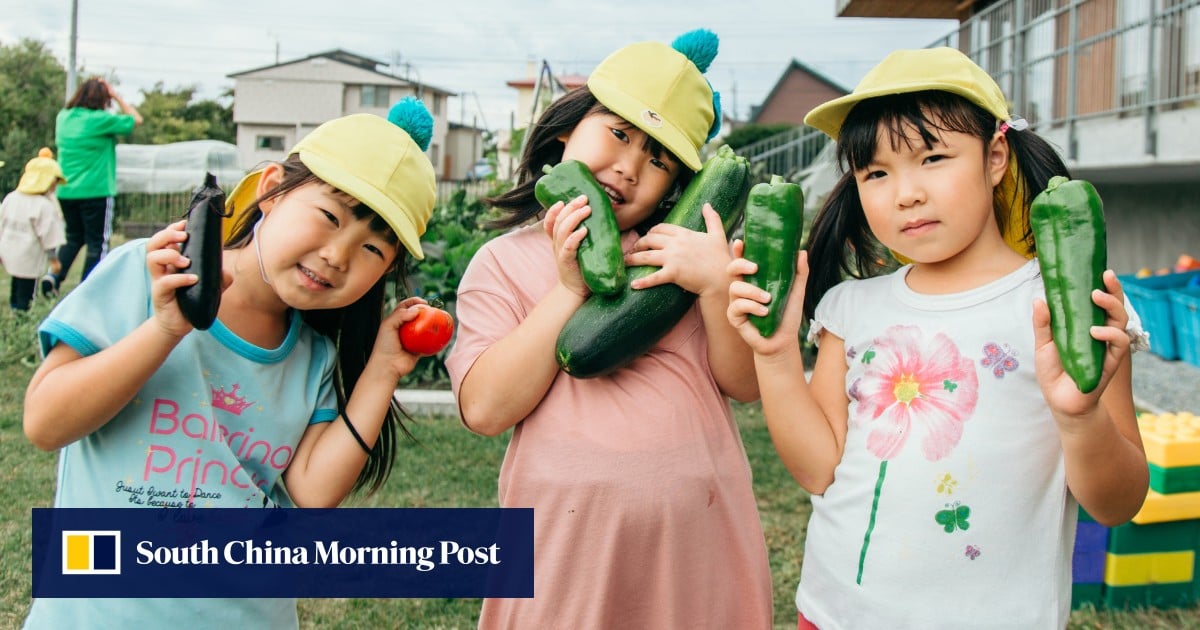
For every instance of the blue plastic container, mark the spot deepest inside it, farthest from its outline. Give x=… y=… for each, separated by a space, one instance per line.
x=1185 y=313
x=1150 y=297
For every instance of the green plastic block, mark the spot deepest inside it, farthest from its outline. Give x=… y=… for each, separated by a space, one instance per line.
x=1082 y=594
x=1173 y=595
x=1174 y=480
x=1154 y=537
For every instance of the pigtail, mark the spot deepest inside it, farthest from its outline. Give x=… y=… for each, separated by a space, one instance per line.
x=840 y=244
x=1037 y=161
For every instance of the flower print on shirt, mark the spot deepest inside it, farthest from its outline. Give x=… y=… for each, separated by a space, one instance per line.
x=912 y=387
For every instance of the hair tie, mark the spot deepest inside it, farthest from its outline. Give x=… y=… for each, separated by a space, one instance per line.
x=357 y=438
x=1016 y=123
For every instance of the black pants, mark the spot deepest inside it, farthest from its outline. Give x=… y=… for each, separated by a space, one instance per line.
x=21 y=293
x=89 y=222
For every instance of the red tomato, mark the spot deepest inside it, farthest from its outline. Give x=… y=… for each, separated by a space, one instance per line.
x=428 y=332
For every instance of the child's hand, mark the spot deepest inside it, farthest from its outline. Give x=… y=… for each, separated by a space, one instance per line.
x=164 y=260
x=55 y=266
x=388 y=352
x=695 y=261
x=562 y=225
x=1061 y=393
x=745 y=299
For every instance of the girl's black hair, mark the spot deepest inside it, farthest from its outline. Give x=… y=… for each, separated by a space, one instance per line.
x=840 y=242
x=353 y=327
x=542 y=146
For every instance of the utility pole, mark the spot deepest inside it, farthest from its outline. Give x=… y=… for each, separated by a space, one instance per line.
x=71 y=75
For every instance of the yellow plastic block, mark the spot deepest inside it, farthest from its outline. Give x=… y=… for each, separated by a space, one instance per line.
x=1171 y=439
x=1139 y=569
x=1159 y=508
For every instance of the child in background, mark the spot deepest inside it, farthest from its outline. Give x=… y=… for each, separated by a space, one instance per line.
x=302 y=360
x=31 y=227
x=943 y=444
x=644 y=515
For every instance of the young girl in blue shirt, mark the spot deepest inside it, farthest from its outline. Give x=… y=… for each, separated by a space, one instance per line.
x=287 y=399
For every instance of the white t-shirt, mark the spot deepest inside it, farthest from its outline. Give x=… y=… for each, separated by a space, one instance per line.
x=949 y=508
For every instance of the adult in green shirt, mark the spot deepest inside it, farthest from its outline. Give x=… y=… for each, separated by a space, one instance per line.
x=86 y=134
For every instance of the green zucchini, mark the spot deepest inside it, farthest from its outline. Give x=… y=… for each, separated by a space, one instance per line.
x=601 y=262
x=606 y=333
x=199 y=302
x=774 y=224
x=1068 y=228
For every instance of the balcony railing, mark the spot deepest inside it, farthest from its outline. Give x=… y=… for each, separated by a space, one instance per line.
x=1061 y=62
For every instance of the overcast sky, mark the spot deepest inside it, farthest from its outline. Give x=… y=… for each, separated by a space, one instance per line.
x=470 y=47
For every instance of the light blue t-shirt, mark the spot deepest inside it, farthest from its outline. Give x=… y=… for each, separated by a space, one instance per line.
x=215 y=426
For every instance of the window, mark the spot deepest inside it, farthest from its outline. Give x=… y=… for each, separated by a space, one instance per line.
x=374 y=96
x=272 y=143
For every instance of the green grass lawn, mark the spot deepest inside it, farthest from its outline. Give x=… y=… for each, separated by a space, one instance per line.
x=450 y=467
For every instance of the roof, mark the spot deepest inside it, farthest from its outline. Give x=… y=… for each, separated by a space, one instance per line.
x=348 y=58
x=796 y=66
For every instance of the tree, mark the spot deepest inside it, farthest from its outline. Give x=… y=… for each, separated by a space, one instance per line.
x=32 y=90
x=163 y=117
x=749 y=134
x=219 y=117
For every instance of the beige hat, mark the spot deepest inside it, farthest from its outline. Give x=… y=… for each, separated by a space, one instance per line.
x=661 y=90
x=41 y=173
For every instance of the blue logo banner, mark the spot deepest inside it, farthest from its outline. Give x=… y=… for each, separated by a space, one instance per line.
x=226 y=552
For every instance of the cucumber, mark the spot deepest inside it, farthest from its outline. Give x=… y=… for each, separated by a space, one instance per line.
x=199 y=302
x=608 y=332
x=601 y=261
x=774 y=223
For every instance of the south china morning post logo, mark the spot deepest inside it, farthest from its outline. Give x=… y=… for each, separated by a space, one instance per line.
x=91 y=552
x=232 y=552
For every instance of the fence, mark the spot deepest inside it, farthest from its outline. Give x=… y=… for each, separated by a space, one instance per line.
x=137 y=215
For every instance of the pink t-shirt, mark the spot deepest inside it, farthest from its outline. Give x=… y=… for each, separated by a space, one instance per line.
x=644 y=515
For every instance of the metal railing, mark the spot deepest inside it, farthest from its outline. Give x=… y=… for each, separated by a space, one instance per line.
x=1062 y=61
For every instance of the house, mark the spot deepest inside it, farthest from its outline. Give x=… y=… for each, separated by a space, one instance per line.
x=535 y=92
x=275 y=106
x=798 y=90
x=464 y=145
x=1113 y=85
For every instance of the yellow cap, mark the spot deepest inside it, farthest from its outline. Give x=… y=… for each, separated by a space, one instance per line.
x=904 y=71
x=372 y=159
x=660 y=91
x=40 y=173
x=942 y=69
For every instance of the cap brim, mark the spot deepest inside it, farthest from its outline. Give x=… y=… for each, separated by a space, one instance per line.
x=631 y=109
x=356 y=187
x=829 y=117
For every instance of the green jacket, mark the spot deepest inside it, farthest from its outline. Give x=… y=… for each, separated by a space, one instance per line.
x=87 y=151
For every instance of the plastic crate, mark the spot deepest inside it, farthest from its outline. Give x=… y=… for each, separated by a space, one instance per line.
x=1150 y=297
x=1185 y=313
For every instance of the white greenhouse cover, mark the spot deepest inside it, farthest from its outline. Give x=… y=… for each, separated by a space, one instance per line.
x=176 y=167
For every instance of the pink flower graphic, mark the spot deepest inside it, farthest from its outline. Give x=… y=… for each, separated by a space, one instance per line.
x=909 y=385
x=914 y=385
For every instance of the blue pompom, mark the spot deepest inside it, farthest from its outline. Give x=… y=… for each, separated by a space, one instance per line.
x=717 y=116
x=409 y=114
x=699 y=45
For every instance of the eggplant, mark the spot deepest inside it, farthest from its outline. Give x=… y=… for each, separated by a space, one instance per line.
x=199 y=302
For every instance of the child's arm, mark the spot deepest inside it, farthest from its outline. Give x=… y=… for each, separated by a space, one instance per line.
x=328 y=458
x=807 y=421
x=509 y=379
x=1105 y=460
x=698 y=262
x=55 y=414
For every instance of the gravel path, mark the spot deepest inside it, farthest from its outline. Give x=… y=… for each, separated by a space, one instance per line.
x=1165 y=386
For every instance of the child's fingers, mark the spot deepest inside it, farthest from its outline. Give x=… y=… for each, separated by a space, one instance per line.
x=741 y=267
x=168 y=283
x=165 y=261
x=173 y=234
x=712 y=221
x=1041 y=324
x=737 y=248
